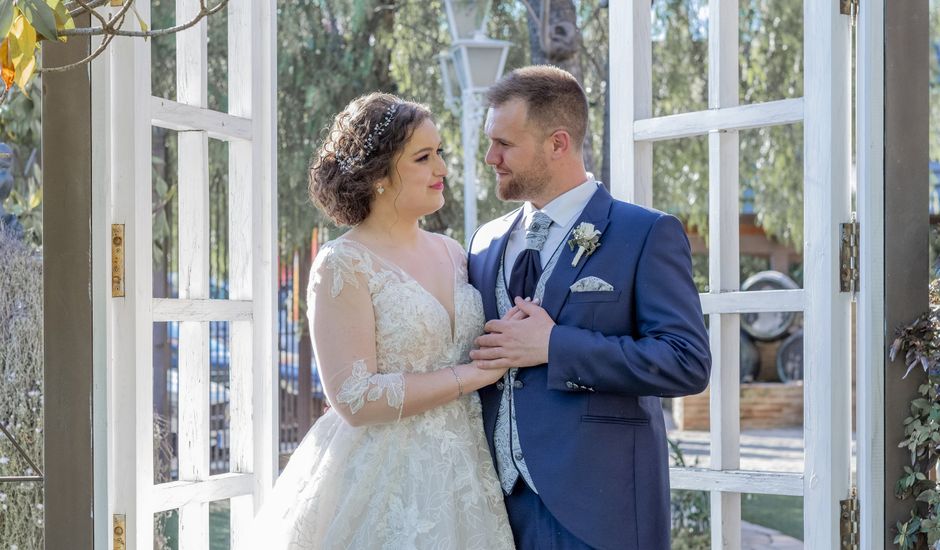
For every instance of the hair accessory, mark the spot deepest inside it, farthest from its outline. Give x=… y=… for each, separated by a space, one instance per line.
x=348 y=164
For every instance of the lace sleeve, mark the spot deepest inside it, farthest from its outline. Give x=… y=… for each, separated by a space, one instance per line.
x=343 y=330
x=342 y=265
x=362 y=386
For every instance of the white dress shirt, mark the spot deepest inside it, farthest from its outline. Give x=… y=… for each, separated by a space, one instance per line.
x=564 y=210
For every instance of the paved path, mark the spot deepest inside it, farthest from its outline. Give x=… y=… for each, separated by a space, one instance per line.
x=758 y=537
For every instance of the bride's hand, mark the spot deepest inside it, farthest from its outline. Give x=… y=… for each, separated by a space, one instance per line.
x=478 y=377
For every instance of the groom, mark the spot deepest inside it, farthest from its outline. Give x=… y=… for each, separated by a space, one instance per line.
x=576 y=426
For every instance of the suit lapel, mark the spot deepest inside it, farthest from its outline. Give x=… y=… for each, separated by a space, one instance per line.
x=564 y=275
x=494 y=253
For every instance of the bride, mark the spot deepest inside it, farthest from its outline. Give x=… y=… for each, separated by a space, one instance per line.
x=400 y=459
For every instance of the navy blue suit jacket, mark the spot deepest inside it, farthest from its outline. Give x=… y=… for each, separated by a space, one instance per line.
x=590 y=420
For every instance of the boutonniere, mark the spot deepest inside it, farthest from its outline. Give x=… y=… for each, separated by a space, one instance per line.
x=586 y=238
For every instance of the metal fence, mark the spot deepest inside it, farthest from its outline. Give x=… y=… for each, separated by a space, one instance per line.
x=301 y=397
x=300 y=393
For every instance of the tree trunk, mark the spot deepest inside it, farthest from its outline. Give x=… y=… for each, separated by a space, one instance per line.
x=558 y=43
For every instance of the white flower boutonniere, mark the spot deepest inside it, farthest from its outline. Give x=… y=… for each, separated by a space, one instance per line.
x=586 y=238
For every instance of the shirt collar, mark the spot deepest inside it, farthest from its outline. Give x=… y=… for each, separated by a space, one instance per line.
x=565 y=207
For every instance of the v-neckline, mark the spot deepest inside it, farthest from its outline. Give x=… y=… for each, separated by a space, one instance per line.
x=406 y=274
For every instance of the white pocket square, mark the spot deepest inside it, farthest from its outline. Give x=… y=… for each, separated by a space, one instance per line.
x=591 y=284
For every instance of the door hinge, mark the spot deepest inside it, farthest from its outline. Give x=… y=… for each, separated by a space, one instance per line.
x=117 y=260
x=120 y=532
x=848 y=522
x=850 y=8
x=848 y=257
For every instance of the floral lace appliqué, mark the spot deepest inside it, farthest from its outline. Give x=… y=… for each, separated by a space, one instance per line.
x=363 y=385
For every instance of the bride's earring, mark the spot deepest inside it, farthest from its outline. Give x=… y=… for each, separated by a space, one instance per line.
x=380 y=190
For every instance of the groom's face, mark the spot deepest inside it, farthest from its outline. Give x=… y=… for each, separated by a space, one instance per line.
x=516 y=152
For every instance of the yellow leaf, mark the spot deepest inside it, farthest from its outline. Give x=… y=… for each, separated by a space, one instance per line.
x=63 y=20
x=23 y=50
x=7 y=72
x=35 y=199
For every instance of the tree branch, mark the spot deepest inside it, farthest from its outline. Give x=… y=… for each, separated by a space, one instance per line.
x=96 y=53
x=110 y=30
x=77 y=7
x=86 y=8
x=532 y=14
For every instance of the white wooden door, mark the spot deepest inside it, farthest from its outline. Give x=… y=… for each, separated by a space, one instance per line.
x=125 y=114
x=824 y=111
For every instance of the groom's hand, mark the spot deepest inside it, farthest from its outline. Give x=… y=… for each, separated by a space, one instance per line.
x=515 y=342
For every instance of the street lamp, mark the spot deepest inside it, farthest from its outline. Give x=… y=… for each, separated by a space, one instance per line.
x=474 y=63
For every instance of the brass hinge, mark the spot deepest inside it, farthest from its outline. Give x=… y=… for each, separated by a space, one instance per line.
x=848 y=522
x=120 y=532
x=848 y=257
x=850 y=8
x=117 y=260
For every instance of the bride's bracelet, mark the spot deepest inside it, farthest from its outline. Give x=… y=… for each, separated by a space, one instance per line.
x=459 y=381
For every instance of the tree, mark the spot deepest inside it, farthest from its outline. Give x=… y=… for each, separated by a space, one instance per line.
x=771 y=159
x=20 y=129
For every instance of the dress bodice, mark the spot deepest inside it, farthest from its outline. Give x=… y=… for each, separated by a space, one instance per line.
x=413 y=331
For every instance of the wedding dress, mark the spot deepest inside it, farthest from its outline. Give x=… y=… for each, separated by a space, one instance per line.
x=422 y=481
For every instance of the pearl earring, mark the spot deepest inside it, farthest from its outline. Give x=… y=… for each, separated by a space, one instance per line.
x=380 y=190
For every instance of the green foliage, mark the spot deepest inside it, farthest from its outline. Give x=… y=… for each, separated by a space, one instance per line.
x=919 y=343
x=21 y=392
x=21 y=129
x=691 y=520
x=771 y=164
x=329 y=52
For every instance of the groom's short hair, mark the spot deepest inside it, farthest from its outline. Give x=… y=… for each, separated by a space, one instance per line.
x=553 y=97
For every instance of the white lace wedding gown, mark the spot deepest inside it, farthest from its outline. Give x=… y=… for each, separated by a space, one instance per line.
x=423 y=481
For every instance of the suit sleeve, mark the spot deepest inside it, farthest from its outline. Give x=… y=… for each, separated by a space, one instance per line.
x=668 y=356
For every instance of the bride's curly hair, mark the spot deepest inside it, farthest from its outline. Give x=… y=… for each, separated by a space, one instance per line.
x=359 y=149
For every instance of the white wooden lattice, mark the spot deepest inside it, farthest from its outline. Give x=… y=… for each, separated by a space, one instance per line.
x=126 y=114
x=824 y=112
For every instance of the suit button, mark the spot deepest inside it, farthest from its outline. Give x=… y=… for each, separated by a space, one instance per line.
x=500 y=385
x=570 y=385
x=517 y=384
x=518 y=455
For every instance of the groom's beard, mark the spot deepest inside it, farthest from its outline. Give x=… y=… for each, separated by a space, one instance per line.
x=523 y=186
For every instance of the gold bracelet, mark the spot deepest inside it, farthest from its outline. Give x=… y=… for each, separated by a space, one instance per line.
x=459 y=382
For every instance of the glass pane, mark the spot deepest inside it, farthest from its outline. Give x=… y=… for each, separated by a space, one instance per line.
x=690 y=519
x=165 y=207
x=771 y=521
x=220 y=525
x=166 y=530
x=771 y=50
x=770 y=416
x=218 y=220
x=219 y=385
x=165 y=402
x=680 y=56
x=163 y=50
x=771 y=202
x=217 y=59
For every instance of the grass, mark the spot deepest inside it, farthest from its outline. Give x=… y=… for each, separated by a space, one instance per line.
x=782 y=513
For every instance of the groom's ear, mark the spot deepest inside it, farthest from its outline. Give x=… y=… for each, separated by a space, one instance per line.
x=561 y=143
